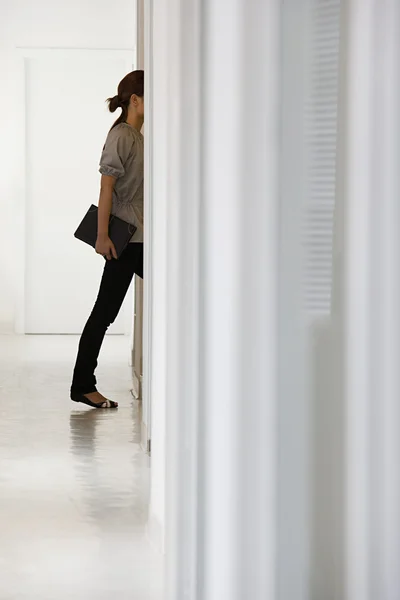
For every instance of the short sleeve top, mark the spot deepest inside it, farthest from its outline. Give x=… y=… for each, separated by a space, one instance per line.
x=122 y=158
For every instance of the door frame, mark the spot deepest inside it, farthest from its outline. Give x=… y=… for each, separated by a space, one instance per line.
x=20 y=249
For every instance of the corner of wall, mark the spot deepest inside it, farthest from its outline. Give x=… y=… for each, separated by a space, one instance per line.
x=155 y=532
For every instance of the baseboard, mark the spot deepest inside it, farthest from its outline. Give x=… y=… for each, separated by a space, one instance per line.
x=155 y=533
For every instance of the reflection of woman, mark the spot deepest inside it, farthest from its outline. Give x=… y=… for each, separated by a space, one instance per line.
x=92 y=482
x=121 y=194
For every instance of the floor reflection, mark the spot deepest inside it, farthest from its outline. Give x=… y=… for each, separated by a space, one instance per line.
x=73 y=482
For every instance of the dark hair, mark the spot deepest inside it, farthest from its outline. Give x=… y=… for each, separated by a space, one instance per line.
x=132 y=84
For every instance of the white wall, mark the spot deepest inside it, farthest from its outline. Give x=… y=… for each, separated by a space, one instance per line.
x=222 y=535
x=157 y=63
x=43 y=23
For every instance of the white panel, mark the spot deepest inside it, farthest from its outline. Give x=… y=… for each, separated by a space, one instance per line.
x=321 y=134
x=66 y=125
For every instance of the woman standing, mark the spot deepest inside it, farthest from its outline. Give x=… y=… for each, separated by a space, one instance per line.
x=121 y=194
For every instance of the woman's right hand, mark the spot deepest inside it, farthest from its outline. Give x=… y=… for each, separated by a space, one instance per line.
x=106 y=248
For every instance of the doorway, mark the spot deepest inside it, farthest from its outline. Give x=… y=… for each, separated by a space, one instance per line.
x=66 y=122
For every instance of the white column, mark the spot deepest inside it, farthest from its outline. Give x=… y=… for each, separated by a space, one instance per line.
x=357 y=218
x=184 y=98
x=371 y=298
x=157 y=68
x=385 y=426
x=240 y=287
x=222 y=314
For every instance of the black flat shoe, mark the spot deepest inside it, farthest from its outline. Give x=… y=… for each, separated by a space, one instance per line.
x=80 y=398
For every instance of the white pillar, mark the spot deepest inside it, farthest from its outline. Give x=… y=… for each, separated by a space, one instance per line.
x=371 y=298
x=157 y=67
x=357 y=309
x=240 y=287
x=385 y=425
x=222 y=314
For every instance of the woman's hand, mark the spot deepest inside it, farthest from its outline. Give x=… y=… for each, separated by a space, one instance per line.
x=105 y=247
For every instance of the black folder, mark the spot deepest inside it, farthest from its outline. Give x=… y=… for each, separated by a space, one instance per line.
x=119 y=231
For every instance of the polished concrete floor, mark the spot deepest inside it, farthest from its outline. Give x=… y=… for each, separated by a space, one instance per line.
x=73 y=481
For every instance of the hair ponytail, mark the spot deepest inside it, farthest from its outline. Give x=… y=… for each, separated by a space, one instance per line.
x=113 y=103
x=132 y=84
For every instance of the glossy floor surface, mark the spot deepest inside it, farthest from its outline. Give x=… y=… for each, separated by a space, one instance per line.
x=73 y=481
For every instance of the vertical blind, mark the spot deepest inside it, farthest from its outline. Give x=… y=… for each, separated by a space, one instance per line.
x=321 y=102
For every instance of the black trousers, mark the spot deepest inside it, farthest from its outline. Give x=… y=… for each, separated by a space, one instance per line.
x=117 y=277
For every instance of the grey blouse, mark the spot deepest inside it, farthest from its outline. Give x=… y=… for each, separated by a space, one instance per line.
x=122 y=158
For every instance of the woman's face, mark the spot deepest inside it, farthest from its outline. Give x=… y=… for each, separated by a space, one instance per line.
x=138 y=105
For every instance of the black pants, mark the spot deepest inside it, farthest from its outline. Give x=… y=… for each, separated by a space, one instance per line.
x=114 y=285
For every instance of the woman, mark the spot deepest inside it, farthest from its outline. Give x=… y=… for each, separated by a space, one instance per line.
x=121 y=194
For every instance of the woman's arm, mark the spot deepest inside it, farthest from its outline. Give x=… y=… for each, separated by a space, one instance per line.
x=104 y=245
